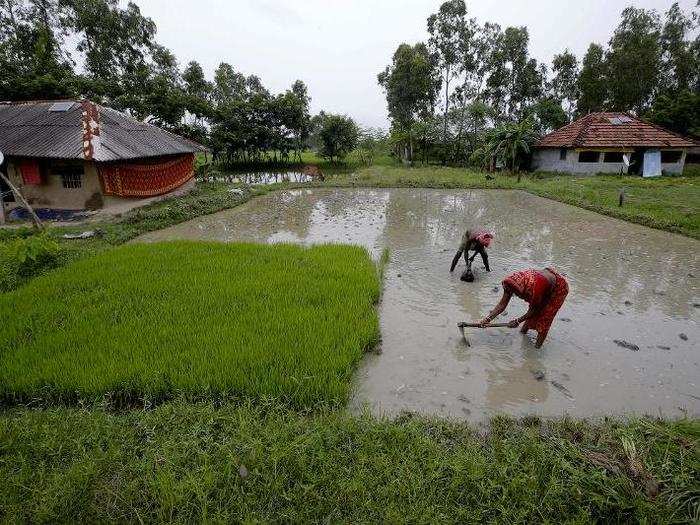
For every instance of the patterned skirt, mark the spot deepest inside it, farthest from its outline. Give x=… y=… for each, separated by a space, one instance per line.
x=543 y=320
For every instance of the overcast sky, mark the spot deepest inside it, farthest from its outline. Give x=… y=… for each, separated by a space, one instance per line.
x=339 y=46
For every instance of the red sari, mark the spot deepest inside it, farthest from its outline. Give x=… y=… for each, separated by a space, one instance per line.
x=534 y=288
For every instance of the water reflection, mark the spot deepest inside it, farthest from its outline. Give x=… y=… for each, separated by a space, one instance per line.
x=627 y=282
x=259 y=178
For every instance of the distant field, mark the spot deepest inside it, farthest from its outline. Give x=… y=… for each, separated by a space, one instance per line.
x=666 y=203
x=144 y=323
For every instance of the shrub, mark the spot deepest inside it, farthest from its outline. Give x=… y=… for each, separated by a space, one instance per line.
x=24 y=257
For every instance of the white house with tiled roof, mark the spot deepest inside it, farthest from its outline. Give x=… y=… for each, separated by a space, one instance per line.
x=611 y=143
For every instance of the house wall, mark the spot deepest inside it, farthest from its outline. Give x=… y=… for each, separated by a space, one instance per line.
x=676 y=167
x=115 y=205
x=548 y=160
x=51 y=193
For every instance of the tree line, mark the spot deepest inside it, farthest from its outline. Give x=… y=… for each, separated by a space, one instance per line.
x=473 y=93
x=51 y=49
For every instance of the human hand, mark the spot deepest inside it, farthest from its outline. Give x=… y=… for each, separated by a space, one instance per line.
x=514 y=323
x=484 y=322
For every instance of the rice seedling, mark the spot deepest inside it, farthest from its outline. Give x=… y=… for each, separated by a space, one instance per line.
x=144 y=323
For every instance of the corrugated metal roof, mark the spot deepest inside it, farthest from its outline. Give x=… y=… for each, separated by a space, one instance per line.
x=613 y=130
x=31 y=129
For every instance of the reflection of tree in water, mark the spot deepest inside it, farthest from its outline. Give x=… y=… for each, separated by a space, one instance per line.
x=258 y=177
x=513 y=383
x=282 y=211
x=431 y=219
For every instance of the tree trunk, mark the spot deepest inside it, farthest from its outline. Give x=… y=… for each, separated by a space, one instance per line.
x=447 y=108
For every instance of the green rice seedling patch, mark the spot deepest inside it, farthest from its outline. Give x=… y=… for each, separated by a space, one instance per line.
x=145 y=323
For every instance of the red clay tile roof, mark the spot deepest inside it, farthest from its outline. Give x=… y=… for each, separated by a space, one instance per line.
x=613 y=130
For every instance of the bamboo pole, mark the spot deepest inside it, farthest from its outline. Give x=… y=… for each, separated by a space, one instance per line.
x=35 y=219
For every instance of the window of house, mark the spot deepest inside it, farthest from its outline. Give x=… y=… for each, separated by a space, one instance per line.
x=562 y=154
x=612 y=156
x=589 y=156
x=671 y=157
x=71 y=176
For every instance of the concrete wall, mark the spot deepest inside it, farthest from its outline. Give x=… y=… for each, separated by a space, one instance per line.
x=116 y=205
x=51 y=193
x=676 y=167
x=548 y=160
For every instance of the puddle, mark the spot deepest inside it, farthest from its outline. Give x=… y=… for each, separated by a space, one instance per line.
x=628 y=283
x=261 y=178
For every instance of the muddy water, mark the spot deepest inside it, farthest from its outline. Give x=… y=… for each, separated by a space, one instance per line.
x=628 y=283
x=262 y=178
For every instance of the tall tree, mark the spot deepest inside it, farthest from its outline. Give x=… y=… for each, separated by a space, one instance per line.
x=679 y=113
x=564 y=83
x=33 y=61
x=447 y=29
x=116 y=44
x=634 y=60
x=228 y=84
x=411 y=85
x=679 y=62
x=592 y=84
x=515 y=80
x=197 y=92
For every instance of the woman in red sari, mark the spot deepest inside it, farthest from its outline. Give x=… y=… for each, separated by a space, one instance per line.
x=544 y=290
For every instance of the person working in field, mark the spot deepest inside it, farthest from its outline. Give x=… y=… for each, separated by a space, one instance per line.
x=478 y=241
x=544 y=290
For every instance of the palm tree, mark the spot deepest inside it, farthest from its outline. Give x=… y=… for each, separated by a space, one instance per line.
x=507 y=142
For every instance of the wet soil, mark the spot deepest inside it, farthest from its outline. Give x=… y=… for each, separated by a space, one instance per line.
x=628 y=283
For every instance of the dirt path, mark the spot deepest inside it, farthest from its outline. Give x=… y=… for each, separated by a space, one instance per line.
x=628 y=283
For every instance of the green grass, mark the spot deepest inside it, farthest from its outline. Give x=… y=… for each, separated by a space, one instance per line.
x=143 y=323
x=205 y=199
x=192 y=463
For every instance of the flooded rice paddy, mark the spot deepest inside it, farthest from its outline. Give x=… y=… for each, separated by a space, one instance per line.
x=628 y=283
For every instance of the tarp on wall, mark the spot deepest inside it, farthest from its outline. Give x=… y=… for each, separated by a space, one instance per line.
x=131 y=179
x=652 y=163
x=31 y=174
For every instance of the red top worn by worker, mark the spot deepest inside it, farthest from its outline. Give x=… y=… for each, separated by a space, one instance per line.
x=544 y=290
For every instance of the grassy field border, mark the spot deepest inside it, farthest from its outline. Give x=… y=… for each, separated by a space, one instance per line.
x=200 y=462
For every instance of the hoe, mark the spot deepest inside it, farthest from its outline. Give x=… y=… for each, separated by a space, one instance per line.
x=462 y=326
